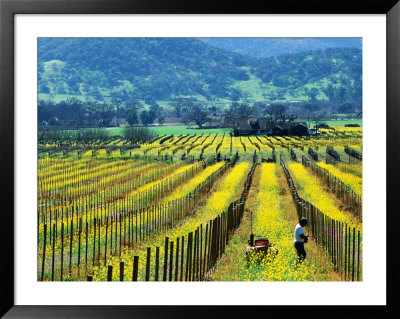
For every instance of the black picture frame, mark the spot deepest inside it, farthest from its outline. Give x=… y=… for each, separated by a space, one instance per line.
x=8 y=8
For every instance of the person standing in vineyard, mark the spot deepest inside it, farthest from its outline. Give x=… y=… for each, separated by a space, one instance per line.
x=300 y=239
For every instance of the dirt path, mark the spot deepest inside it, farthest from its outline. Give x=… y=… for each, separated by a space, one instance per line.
x=317 y=255
x=233 y=263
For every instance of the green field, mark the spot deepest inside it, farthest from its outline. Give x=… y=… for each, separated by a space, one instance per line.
x=176 y=130
x=182 y=129
x=337 y=122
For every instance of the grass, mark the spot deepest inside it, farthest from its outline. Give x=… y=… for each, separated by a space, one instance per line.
x=257 y=90
x=315 y=254
x=183 y=129
x=233 y=261
x=336 y=122
x=176 y=130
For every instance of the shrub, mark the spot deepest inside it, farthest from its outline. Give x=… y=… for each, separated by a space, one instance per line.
x=138 y=135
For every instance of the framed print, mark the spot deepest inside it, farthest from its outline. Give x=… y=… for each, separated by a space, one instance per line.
x=166 y=158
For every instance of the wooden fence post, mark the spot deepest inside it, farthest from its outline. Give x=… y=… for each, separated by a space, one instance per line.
x=135 y=268
x=109 y=273
x=120 y=234
x=165 y=259
x=70 y=245
x=94 y=240
x=345 y=253
x=194 y=256
x=105 y=245
x=136 y=228
x=148 y=264
x=121 y=271
x=201 y=253
x=171 y=260
x=52 y=258
x=177 y=259
x=187 y=258
x=157 y=266
x=182 y=257
x=358 y=257
x=62 y=252
x=111 y=233
x=86 y=243
x=44 y=251
x=205 y=252
x=79 y=242
x=354 y=252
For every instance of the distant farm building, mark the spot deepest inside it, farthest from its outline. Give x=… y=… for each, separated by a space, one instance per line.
x=280 y=130
x=250 y=126
x=257 y=126
x=300 y=129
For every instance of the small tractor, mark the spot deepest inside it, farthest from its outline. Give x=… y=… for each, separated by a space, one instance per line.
x=259 y=245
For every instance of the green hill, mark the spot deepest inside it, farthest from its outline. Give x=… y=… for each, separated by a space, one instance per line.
x=160 y=69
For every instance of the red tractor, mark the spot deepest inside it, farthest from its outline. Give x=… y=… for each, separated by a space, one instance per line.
x=259 y=245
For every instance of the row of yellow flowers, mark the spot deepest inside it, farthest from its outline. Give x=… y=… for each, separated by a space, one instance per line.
x=270 y=222
x=49 y=166
x=120 y=203
x=68 y=174
x=217 y=203
x=193 y=183
x=351 y=180
x=100 y=232
x=310 y=186
x=84 y=176
x=355 y=169
x=180 y=145
x=105 y=189
x=128 y=200
x=277 y=142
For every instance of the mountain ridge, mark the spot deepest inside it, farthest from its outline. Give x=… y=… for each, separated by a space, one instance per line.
x=267 y=47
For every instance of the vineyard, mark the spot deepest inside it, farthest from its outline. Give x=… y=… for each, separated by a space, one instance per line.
x=182 y=207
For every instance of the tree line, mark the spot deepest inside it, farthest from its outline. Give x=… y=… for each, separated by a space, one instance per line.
x=76 y=113
x=85 y=137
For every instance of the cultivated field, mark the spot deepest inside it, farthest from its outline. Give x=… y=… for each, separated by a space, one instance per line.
x=182 y=207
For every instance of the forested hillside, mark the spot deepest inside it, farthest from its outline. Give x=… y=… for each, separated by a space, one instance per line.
x=267 y=47
x=160 y=69
x=147 y=69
